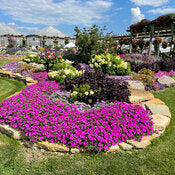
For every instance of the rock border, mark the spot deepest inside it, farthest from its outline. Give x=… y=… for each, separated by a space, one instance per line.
x=26 y=80
x=160 y=116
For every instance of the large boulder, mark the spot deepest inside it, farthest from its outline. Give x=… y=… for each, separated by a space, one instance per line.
x=158 y=109
x=155 y=101
x=160 y=122
x=138 y=96
x=166 y=81
x=133 y=84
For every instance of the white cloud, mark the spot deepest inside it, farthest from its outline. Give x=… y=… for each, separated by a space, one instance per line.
x=54 y=13
x=154 y=3
x=162 y=10
x=11 y=24
x=136 y=15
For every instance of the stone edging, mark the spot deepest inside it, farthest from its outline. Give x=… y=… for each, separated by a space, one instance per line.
x=160 y=116
x=27 y=80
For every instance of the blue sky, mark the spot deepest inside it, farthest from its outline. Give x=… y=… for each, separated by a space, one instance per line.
x=29 y=16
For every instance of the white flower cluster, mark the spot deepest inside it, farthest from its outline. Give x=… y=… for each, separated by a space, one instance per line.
x=111 y=61
x=63 y=73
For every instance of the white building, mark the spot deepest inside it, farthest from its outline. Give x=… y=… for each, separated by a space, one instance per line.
x=6 y=32
x=49 y=34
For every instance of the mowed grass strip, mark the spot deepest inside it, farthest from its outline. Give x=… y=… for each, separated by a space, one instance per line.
x=2 y=62
x=9 y=87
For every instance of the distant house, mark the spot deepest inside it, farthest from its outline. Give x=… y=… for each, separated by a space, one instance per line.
x=33 y=40
x=48 y=36
x=6 y=32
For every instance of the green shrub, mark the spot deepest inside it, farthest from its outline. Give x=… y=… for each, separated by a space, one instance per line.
x=82 y=93
x=110 y=64
x=90 y=42
x=35 y=58
x=64 y=65
x=62 y=71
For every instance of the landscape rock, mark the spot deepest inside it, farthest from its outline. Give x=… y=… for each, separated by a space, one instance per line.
x=138 y=96
x=75 y=150
x=158 y=109
x=5 y=129
x=29 y=80
x=146 y=141
x=124 y=146
x=133 y=84
x=160 y=122
x=155 y=101
x=7 y=74
x=166 y=81
x=113 y=148
x=17 y=76
x=52 y=147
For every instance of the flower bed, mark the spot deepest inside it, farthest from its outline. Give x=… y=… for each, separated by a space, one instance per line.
x=25 y=69
x=139 y=61
x=41 y=76
x=164 y=73
x=42 y=118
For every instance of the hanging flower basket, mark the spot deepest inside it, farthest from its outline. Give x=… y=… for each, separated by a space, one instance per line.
x=124 y=41
x=141 y=43
x=165 y=44
x=158 y=40
x=147 y=44
x=134 y=43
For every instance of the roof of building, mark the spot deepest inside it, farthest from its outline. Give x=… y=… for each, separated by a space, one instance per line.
x=50 y=32
x=5 y=30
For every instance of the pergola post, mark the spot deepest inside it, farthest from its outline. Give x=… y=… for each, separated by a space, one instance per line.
x=151 y=41
x=130 y=43
x=172 y=39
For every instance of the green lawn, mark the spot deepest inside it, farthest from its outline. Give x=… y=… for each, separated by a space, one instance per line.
x=9 y=87
x=159 y=158
x=2 y=62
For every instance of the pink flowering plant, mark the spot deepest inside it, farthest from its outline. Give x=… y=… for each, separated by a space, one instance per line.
x=138 y=58
x=42 y=118
x=50 y=58
x=165 y=73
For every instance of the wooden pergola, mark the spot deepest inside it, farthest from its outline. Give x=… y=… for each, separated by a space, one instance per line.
x=163 y=26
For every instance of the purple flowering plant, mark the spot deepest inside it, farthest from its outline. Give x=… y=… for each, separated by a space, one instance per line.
x=25 y=69
x=165 y=73
x=41 y=76
x=35 y=112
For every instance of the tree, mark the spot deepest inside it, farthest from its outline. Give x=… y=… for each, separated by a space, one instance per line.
x=92 y=41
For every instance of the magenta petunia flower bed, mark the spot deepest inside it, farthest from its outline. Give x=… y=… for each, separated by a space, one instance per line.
x=42 y=118
x=41 y=76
